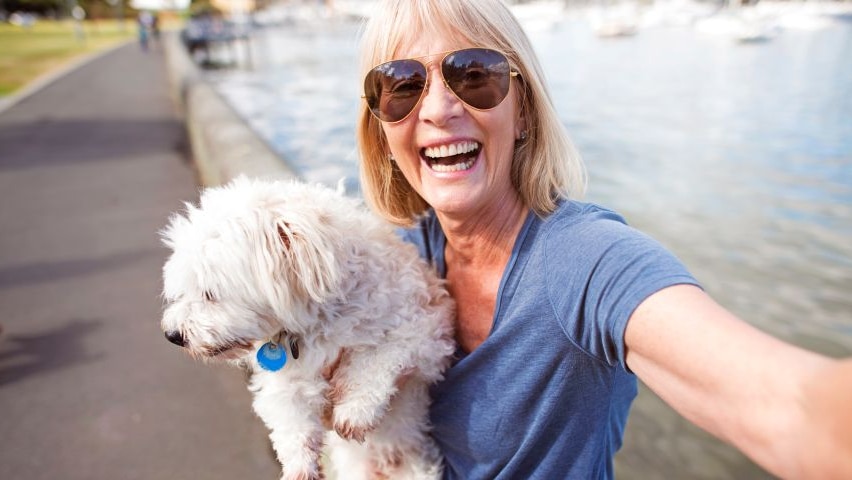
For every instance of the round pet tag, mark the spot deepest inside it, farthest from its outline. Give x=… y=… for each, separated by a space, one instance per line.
x=271 y=356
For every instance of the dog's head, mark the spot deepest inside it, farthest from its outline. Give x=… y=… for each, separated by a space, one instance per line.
x=245 y=263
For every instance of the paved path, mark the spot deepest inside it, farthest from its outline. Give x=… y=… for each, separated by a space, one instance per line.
x=90 y=168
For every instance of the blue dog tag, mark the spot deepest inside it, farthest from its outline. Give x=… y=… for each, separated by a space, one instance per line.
x=272 y=356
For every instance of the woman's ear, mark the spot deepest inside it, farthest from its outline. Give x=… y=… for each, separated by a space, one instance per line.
x=521 y=131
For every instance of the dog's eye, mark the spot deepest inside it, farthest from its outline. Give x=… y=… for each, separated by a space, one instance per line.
x=208 y=296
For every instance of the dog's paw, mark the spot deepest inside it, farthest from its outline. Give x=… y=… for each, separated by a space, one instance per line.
x=300 y=460
x=353 y=431
x=306 y=472
x=386 y=463
x=358 y=412
x=355 y=418
x=302 y=476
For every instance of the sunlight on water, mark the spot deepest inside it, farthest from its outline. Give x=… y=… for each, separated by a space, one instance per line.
x=302 y=97
x=738 y=157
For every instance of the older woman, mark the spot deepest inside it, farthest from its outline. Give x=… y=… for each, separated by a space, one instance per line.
x=560 y=304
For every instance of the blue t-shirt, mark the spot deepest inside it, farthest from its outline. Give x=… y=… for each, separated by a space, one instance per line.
x=546 y=395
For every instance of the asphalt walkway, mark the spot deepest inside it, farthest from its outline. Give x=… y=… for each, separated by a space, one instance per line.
x=90 y=168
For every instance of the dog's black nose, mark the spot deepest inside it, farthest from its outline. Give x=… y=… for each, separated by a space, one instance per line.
x=176 y=337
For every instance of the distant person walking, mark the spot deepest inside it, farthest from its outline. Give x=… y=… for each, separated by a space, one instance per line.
x=145 y=23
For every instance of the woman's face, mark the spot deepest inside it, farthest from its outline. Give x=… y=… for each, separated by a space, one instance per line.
x=456 y=157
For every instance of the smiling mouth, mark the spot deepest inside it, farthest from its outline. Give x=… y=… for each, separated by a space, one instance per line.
x=455 y=157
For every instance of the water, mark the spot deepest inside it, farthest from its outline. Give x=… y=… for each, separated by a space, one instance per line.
x=302 y=96
x=738 y=157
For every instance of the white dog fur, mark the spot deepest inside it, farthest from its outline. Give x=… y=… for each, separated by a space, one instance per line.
x=261 y=260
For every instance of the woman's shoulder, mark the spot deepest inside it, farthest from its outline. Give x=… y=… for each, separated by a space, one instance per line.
x=573 y=217
x=579 y=232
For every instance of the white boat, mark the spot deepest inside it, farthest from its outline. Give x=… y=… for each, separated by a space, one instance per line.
x=615 y=28
x=617 y=20
x=676 y=13
x=736 y=25
x=539 y=15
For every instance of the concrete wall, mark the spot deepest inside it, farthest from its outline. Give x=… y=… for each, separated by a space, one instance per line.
x=223 y=145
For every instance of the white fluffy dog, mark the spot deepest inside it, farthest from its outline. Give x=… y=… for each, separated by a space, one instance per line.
x=262 y=271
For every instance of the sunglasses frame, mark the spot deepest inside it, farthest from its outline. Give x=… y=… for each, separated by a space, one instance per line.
x=513 y=72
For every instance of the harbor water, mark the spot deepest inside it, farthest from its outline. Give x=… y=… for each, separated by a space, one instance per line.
x=736 y=155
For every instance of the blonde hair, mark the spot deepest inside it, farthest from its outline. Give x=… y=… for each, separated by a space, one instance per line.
x=545 y=166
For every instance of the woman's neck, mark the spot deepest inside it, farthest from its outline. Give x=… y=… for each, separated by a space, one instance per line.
x=486 y=237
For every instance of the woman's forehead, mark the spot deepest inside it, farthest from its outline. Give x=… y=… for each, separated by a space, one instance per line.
x=423 y=42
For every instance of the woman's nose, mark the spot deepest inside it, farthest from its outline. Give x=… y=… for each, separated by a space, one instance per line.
x=439 y=103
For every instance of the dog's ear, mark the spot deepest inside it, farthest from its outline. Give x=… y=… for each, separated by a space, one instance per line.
x=309 y=263
x=283 y=228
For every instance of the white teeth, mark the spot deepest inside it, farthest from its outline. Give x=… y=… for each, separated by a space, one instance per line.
x=458 y=167
x=450 y=150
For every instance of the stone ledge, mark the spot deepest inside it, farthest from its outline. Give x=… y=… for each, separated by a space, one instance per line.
x=223 y=145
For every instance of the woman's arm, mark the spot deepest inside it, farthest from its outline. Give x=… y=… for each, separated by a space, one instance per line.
x=788 y=409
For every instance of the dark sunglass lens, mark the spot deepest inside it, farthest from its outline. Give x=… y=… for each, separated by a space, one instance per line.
x=478 y=76
x=393 y=89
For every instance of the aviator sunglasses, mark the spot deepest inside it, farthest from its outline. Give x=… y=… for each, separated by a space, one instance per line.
x=479 y=77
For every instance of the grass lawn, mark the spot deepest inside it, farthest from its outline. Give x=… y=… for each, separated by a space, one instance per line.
x=26 y=54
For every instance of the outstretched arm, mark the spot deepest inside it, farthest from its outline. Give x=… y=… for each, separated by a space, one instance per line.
x=788 y=409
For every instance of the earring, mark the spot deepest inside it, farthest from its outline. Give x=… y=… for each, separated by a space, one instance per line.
x=391 y=158
x=523 y=135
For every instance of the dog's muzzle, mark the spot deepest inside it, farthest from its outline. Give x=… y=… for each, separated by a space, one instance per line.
x=176 y=337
